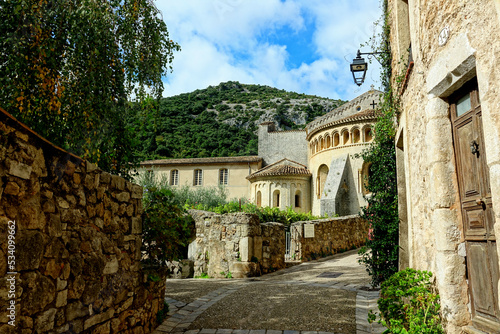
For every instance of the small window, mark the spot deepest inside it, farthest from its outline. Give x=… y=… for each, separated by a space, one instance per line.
x=174 y=177
x=297 y=199
x=259 y=199
x=198 y=177
x=223 y=176
x=276 y=199
x=328 y=142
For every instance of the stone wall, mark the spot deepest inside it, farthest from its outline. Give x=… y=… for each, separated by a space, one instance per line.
x=276 y=145
x=237 y=243
x=273 y=247
x=234 y=245
x=77 y=242
x=331 y=236
x=447 y=51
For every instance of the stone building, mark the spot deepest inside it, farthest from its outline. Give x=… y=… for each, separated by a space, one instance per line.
x=314 y=169
x=448 y=152
x=229 y=172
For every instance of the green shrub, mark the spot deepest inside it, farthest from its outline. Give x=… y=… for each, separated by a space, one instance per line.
x=409 y=304
x=167 y=228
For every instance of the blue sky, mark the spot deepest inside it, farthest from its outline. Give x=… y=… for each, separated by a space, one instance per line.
x=297 y=45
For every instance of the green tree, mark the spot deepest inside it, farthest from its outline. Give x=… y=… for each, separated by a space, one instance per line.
x=69 y=67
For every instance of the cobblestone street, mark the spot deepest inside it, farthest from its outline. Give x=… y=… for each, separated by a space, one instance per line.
x=330 y=295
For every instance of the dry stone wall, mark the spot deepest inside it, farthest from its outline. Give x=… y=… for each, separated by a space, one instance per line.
x=231 y=245
x=331 y=236
x=77 y=242
x=239 y=244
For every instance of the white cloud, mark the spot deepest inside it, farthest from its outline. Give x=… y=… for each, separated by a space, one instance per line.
x=225 y=40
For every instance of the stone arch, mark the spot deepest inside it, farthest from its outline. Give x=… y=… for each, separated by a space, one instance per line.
x=316 y=148
x=365 y=177
x=356 y=135
x=321 y=143
x=328 y=141
x=321 y=180
x=345 y=137
x=336 y=139
x=367 y=134
x=259 y=199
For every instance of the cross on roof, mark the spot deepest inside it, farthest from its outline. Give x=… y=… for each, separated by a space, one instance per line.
x=373 y=104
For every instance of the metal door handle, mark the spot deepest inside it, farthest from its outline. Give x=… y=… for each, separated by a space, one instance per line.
x=474 y=147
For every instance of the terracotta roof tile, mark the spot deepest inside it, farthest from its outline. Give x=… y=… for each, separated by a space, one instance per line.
x=280 y=169
x=201 y=161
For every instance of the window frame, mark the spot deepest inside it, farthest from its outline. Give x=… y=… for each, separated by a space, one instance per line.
x=198 y=177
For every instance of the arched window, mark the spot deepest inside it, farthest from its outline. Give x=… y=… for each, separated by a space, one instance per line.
x=365 y=177
x=345 y=137
x=356 y=136
x=223 y=176
x=336 y=139
x=276 y=199
x=174 y=177
x=312 y=148
x=297 y=199
x=321 y=180
x=316 y=147
x=198 y=177
x=322 y=143
x=368 y=134
x=328 y=141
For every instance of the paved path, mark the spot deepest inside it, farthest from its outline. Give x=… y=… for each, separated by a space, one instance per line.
x=330 y=295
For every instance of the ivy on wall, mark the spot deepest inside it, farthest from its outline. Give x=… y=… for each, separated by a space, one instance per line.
x=380 y=255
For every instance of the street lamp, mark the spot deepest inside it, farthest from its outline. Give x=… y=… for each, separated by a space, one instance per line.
x=359 y=66
x=358 y=69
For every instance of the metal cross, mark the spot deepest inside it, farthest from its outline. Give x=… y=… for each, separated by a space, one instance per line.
x=373 y=104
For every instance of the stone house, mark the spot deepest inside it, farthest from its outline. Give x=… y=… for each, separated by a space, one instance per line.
x=448 y=152
x=314 y=169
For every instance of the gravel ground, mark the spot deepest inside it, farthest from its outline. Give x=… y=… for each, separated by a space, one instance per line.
x=188 y=290
x=280 y=307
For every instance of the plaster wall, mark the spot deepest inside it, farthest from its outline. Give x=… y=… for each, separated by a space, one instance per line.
x=288 y=187
x=435 y=236
x=237 y=187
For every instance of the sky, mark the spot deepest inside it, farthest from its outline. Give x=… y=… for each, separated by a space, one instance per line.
x=304 y=46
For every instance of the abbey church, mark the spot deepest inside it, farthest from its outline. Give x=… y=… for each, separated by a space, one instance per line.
x=315 y=169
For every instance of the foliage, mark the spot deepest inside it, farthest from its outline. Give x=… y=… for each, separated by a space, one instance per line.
x=167 y=229
x=68 y=68
x=203 y=275
x=219 y=121
x=380 y=255
x=265 y=214
x=162 y=314
x=409 y=304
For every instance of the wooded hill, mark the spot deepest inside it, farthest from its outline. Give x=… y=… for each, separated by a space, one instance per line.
x=221 y=121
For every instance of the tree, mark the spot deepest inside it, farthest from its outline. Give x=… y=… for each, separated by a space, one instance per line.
x=68 y=68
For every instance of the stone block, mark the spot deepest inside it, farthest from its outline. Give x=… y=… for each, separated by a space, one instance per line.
x=117 y=182
x=76 y=288
x=246 y=248
x=438 y=140
x=76 y=310
x=123 y=196
x=111 y=266
x=53 y=269
x=20 y=170
x=62 y=203
x=90 y=167
x=38 y=292
x=61 y=284
x=136 y=225
x=442 y=186
x=44 y=322
x=136 y=191
x=32 y=244
x=11 y=189
x=62 y=298
x=446 y=231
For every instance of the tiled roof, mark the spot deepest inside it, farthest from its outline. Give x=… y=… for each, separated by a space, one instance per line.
x=201 y=161
x=283 y=167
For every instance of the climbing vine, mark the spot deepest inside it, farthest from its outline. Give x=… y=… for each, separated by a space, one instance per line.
x=68 y=69
x=380 y=255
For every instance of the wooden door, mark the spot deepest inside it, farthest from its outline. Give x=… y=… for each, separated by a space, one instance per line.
x=477 y=212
